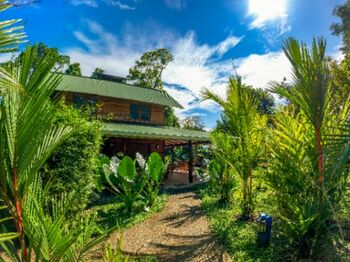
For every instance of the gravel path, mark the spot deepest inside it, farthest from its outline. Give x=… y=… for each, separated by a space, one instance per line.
x=180 y=232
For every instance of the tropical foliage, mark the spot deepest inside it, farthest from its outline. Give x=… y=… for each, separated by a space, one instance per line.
x=147 y=71
x=222 y=180
x=30 y=137
x=310 y=147
x=240 y=142
x=130 y=185
x=73 y=165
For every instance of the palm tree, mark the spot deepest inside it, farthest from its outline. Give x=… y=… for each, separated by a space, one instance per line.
x=28 y=134
x=10 y=37
x=310 y=146
x=240 y=141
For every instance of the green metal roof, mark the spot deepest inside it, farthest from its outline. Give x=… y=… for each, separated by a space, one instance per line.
x=154 y=132
x=88 y=85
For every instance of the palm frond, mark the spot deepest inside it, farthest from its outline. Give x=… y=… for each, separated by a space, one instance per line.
x=10 y=35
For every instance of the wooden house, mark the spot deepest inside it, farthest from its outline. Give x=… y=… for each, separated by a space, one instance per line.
x=134 y=116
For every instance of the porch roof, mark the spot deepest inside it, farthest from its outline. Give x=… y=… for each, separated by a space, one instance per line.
x=171 y=135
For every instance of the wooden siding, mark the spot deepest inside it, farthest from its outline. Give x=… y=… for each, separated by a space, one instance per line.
x=119 y=109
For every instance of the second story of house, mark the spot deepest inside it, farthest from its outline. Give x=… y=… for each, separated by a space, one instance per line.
x=116 y=101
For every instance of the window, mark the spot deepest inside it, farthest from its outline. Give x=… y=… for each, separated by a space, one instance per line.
x=80 y=101
x=140 y=112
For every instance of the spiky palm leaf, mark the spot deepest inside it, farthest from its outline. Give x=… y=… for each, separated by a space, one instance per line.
x=241 y=143
x=310 y=147
x=10 y=35
x=28 y=133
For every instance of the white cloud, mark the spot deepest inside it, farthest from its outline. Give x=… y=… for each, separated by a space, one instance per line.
x=196 y=65
x=92 y=3
x=259 y=70
x=5 y=57
x=266 y=10
x=121 y=5
x=176 y=4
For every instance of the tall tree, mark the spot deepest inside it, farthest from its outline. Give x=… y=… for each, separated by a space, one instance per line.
x=147 y=71
x=193 y=123
x=343 y=27
x=62 y=61
x=73 y=69
x=96 y=74
x=340 y=87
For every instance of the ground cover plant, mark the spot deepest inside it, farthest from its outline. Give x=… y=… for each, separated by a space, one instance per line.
x=305 y=168
x=133 y=180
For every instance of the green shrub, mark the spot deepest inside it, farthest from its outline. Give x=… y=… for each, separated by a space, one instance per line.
x=125 y=182
x=73 y=165
x=133 y=180
x=153 y=171
x=222 y=180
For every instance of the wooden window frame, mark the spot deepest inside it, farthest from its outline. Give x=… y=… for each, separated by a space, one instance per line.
x=140 y=112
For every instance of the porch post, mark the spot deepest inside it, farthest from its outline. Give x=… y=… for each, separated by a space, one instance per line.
x=190 y=162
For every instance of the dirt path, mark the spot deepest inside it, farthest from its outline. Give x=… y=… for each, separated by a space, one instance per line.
x=180 y=232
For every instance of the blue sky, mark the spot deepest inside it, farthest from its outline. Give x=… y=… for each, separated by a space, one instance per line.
x=205 y=37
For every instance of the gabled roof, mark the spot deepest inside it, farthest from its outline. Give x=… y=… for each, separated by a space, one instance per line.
x=171 y=134
x=88 y=85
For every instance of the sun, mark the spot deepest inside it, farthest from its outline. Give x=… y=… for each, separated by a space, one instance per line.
x=266 y=10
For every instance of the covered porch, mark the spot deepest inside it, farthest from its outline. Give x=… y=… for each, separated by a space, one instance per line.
x=132 y=138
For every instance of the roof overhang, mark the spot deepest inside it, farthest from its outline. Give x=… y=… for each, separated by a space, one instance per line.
x=171 y=135
x=87 y=85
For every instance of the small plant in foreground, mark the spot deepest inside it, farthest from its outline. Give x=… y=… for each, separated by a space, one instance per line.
x=131 y=183
x=124 y=181
x=154 y=171
x=222 y=180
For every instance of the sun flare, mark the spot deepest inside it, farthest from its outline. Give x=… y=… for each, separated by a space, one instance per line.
x=266 y=10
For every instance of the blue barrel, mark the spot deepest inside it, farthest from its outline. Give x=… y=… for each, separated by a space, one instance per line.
x=264 y=229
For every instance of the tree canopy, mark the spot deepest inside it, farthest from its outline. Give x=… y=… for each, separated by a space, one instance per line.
x=147 y=71
x=343 y=27
x=73 y=69
x=193 y=123
x=42 y=50
x=96 y=74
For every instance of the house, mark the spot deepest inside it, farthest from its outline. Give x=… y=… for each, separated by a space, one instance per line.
x=134 y=116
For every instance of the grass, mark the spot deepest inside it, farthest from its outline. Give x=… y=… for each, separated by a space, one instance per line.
x=112 y=213
x=240 y=238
